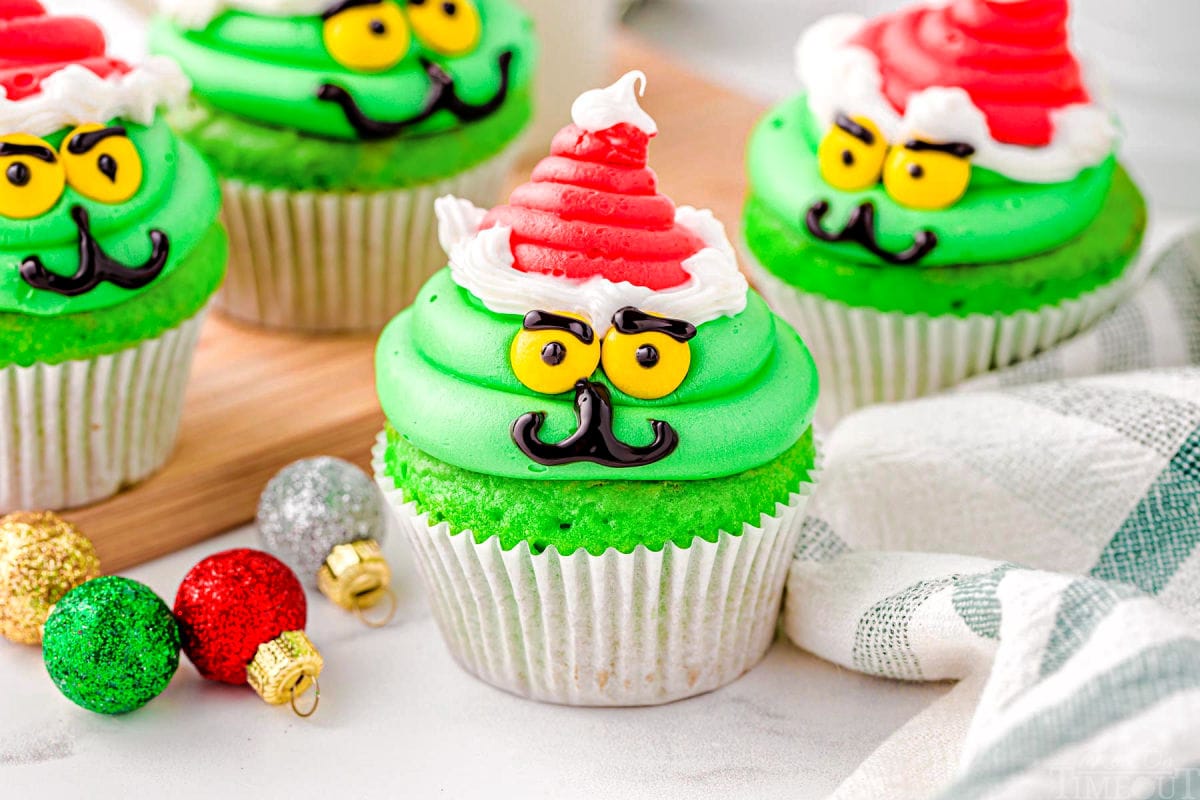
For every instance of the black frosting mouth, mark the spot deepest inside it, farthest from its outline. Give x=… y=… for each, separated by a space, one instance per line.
x=594 y=440
x=860 y=229
x=96 y=266
x=443 y=96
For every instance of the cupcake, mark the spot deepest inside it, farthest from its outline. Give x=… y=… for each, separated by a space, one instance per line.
x=333 y=127
x=944 y=200
x=108 y=224
x=599 y=440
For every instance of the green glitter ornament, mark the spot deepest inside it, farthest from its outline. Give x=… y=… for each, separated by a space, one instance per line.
x=111 y=645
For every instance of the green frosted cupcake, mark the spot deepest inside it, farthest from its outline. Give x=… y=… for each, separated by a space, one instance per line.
x=943 y=200
x=333 y=127
x=108 y=227
x=600 y=442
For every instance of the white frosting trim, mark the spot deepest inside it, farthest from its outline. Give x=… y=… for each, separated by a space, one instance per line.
x=601 y=109
x=75 y=95
x=196 y=14
x=843 y=78
x=482 y=263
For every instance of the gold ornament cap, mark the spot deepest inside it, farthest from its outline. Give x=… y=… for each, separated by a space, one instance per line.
x=355 y=575
x=42 y=557
x=285 y=668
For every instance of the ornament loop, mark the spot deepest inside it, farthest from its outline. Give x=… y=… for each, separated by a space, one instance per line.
x=360 y=610
x=316 y=685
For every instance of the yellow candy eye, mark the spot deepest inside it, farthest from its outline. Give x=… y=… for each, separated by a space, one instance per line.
x=451 y=27
x=102 y=164
x=554 y=351
x=928 y=176
x=31 y=178
x=647 y=356
x=367 y=37
x=851 y=155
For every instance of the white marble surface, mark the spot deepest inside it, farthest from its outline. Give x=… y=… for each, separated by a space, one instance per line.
x=398 y=718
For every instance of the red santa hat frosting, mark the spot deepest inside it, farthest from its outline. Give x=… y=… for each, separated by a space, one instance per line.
x=55 y=72
x=996 y=74
x=590 y=233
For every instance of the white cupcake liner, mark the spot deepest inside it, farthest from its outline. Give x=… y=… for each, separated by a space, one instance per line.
x=330 y=261
x=642 y=628
x=865 y=356
x=77 y=432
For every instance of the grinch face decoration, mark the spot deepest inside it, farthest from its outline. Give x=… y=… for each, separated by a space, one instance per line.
x=95 y=194
x=100 y=163
x=590 y=329
x=366 y=69
x=646 y=356
x=943 y=134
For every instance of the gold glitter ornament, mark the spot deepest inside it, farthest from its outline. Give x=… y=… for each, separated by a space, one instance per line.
x=42 y=557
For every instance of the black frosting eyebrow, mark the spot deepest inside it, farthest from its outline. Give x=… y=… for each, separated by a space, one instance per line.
x=345 y=5
x=957 y=149
x=545 y=321
x=83 y=142
x=38 y=151
x=630 y=320
x=854 y=129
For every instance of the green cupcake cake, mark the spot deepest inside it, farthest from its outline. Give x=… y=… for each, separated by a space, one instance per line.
x=333 y=127
x=599 y=439
x=943 y=200
x=108 y=225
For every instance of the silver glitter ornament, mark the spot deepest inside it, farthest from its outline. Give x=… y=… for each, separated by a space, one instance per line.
x=314 y=506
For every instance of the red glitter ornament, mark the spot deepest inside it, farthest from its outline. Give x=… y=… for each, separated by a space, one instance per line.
x=241 y=617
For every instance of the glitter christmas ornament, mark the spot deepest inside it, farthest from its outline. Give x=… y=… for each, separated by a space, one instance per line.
x=42 y=557
x=241 y=616
x=111 y=645
x=324 y=518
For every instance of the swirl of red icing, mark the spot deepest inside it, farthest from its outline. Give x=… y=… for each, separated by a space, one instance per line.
x=1011 y=56
x=593 y=208
x=34 y=45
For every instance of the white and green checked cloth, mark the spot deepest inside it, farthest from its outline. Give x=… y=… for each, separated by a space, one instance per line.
x=1069 y=610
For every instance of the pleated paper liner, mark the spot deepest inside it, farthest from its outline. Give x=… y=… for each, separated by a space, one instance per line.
x=865 y=356
x=77 y=432
x=642 y=628
x=330 y=261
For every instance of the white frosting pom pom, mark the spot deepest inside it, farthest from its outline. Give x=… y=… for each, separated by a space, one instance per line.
x=601 y=109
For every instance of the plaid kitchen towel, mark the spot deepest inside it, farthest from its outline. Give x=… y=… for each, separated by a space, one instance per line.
x=1068 y=687
x=1095 y=476
x=1069 y=614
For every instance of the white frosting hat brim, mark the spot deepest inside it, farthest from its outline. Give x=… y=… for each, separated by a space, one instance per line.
x=75 y=95
x=482 y=263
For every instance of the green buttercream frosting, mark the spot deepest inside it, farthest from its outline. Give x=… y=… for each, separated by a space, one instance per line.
x=288 y=159
x=269 y=70
x=996 y=220
x=178 y=196
x=446 y=384
x=598 y=514
x=1097 y=256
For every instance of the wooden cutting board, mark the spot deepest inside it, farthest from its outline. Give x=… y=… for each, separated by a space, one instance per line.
x=260 y=400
